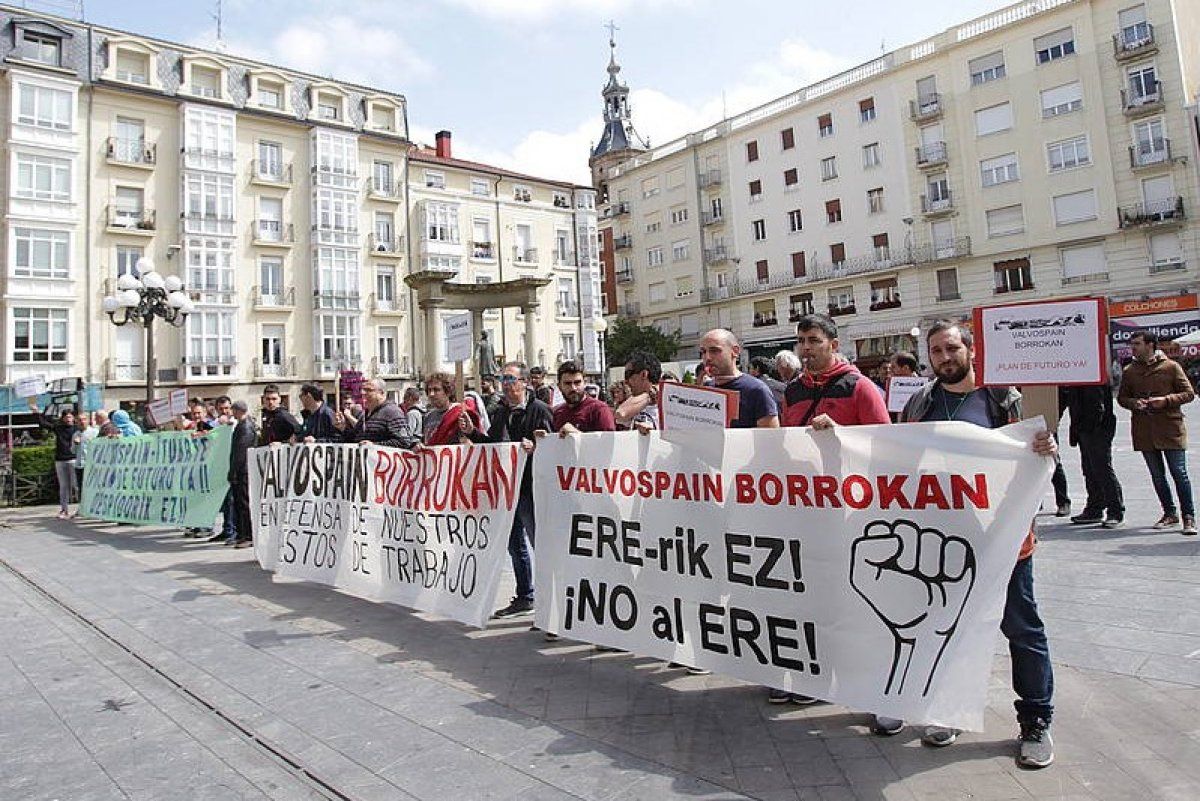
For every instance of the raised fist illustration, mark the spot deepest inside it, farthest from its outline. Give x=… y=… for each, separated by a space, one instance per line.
x=917 y=580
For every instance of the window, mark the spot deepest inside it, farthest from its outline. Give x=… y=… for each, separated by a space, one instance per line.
x=481 y=239
x=336 y=158
x=1059 y=44
x=129 y=142
x=127 y=207
x=339 y=339
x=270 y=279
x=210 y=265
x=522 y=193
x=866 y=110
x=270 y=348
x=133 y=67
x=210 y=342
x=208 y=139
x=881 y=248
x=337 y=277
x=679 y=216
x=680 y=249
x=795 y=221
x=653 y=223
x=1149 y=143
x=42 y=48
x=39 y=335
x=650 y=187
x=937 y=188
x=1062 y=100
x=385 y=231
x=43 y=178
x=329 y=107
x=270 y=160
x=654 y=257
x=1143 y=85
x=1135 y=31
x=1075 y=207
x=383 y=116
x=993 y=119
x=1165 y=250
x=208 y=203
x=791 y=177
x=39 y=253
x=837 y=253
x=658 y=292
x=825 y=125
x=787 y=138
x=381 y=177
x=674 y=179
x=45 y=107
x=1081 y=263
x=685 y=287
x=999 y=170
x=875 y=200
x=206 y=82
x=764 y=313
x=127 y=259
x=841 y=298
x=829 y=168
x=762 y=271
x=441 y=222
x=947 y=284
x=385 y=287
x=435 y=180
x=800 y=305
x=755 y=190
x=1013 y=275
x=986 y=68
x=870 y=155
x=752 y=151
x=270 y=94
x=759 y=229
x=566 y=344
x=481 y=187
x=1005 y=220
x=1068 y=154
x=799 y=269
x=833 y=211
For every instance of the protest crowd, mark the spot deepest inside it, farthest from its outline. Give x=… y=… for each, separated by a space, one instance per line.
x=812 y=386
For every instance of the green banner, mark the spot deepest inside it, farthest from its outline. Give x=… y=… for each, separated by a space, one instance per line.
x=167 y=479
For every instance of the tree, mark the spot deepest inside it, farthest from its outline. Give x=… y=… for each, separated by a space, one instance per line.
x=626 y=336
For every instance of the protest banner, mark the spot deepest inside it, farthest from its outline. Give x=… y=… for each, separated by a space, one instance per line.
x=179 y=402
x=459 y=344
x=29 y=386
x=1060 y=342
x=902 y=387
x=866 y=566
x=165 y=479
x=424 y=529
x=689 y=406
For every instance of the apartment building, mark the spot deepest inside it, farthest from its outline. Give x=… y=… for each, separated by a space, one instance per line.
x=280 y=199
x=1045 y=150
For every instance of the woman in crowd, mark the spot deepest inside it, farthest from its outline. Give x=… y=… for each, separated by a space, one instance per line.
x=124 y=423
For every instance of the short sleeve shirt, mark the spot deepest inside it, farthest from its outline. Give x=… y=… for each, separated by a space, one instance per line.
x=755 y=400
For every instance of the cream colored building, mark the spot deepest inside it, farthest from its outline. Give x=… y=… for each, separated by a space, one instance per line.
x=1045 y=150
x=280 y=199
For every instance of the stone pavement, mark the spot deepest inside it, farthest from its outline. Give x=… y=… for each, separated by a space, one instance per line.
x=137 y=664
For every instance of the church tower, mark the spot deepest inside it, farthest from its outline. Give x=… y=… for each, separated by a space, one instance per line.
x=619 y=141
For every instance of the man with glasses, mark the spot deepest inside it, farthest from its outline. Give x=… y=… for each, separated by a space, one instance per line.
x=519 y=416
x=643 y=371
x=382 y=421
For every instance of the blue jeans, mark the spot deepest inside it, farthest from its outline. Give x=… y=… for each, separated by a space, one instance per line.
x=228 y=521
x=519 y=549
x=1032 y=674
x=1177 y=462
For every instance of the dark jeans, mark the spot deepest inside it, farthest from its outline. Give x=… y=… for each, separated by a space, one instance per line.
x=1059 y=482
x=519 y=549
x=1032 y=675
x=1103 y=489
x=240 y=490
x=1177 y=463
x=229 y=528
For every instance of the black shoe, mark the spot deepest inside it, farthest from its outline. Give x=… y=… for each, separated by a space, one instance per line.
x=243 y=543
x=517 y=606
x=217 y=538
x=1087 y=518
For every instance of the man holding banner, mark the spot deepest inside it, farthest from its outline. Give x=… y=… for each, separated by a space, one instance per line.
x=719 y=351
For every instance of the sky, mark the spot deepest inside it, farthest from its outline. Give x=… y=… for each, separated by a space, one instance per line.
x=518 y=82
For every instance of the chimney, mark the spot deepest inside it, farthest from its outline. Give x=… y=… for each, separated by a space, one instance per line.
x=443 y=144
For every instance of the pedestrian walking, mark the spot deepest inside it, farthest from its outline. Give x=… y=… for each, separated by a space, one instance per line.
x=1092 y=428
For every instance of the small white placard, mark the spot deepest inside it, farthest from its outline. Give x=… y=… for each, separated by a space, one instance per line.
x=901 y=388
x=29 y=386
x=684 y=406
x=459 y=341
x=179 y=402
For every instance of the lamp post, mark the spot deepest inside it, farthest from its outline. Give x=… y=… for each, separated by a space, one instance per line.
x=140 y=300
x=600 y=326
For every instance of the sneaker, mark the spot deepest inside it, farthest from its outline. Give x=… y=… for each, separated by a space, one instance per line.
x=517 y=606
x=217 y=538
x=803 y=700
x=887 y=727
x=940 y=736
x=1167 y=521
x=1063 y=509
x=1113 y=522
x=695 y=671
x=1087 y=518
x=243 y=543
x=1037 y=748
x=775 y=696
x=1189 y=525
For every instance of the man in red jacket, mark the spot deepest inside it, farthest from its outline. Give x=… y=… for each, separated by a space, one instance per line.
x=831 y=391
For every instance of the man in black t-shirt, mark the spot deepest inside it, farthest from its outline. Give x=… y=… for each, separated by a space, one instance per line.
x=278 y=424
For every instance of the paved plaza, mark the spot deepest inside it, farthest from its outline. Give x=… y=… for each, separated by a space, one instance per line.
x=140 y=665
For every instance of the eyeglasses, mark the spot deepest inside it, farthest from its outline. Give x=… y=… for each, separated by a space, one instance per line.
x=510 y=379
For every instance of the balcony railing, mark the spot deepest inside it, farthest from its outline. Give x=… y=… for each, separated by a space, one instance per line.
x=274 y=370
x=142 y=220
x=137 y=152
x=712 y=294
x=1160 y=212
x=525 y=255
x=1168 y=265
x=383 y=190
x=1142 y=102
x=123 y=371
x=622 y=242
x=271 y=172
x=629 y=309
x=931 y=155
x=387 y=305
x=942 y=204
x=1150 y=154
x=710 y=178
x=272 y=232
x=717 y=255
x=711 y=218
x=333 y=299
x=483 y=250
x=202 y=223
x=940 y=251
x=765 y=319
x=620 y=208
x=564 y=258
x=925 y=107
x=273 y=298
x=885 y=301
x=566 y=309
x=330 y=367
x=624 y=275
x=390 y=245
x=834 y=310
x=796 y=312
x=1136 y=40
x=385 y=368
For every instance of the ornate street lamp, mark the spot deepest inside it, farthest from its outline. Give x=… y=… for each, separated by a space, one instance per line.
x=600 y=326
x=141 y=300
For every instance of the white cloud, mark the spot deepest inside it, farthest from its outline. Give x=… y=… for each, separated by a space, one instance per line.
x=534 y=10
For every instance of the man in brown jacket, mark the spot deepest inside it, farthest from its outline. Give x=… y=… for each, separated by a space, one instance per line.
x=1154 y=389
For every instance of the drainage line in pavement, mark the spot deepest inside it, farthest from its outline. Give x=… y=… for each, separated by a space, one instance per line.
x=295 y=766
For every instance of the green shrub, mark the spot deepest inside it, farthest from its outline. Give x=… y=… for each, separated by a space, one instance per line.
x=34 y=461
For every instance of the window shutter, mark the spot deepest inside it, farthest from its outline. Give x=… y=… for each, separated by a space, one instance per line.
x=1083 y=261
x=988 y=62
x=1005 y=220
x=1053 y=39
x=1075 y=206
x=798 y=267
x=837 y=253
x=994 y=118
x=761 y=269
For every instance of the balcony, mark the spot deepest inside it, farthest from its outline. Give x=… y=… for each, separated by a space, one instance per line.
x=523 y=255
x=940 y=251
x=385 y=369
x=130 y=153
x=329 y=368
x=932 y=155
x=925 y=108
x=1137 y=104
x=212 y=292
x=386 y=246
x=620 y=208
x=885 y=301
x=840 y=311
x=483 y=250
x=796 y=312
x=564 y=258
x=1167 y=212
x=202 y=223
x=384 y=190
x=272 y=234
x=708 y=218
x=710 y=179
x=275 y=370
x=765 y=319
x=270 y=173
x=130 y=221
x=717 y=255
x=273 y=299
x=1168 y=265
x=387 y=306
x=121 y=371
x=570 y=309
x=335 y=299
x=629 y=310
x=624 y=275
x=1134 y=41
x=622 y=242
x=713 y=294
x=1154 y=153
x=937 y=206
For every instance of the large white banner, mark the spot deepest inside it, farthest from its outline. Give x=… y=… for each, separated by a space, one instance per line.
x=424 y=529
x=865 y=566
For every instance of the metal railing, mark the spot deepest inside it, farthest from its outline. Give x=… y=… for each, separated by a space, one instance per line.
x=925 y=107
x=622 y=242
x=132 y=219
x=130 y=151
x=711 y=218
x=624 y=275
x=1154 y=213
x=717 y=255
x=525 y=255
x=1134 y=102
x=939 y=251
x=273 y=232
x=564 y=258
x=269 y=369
x=275 y=298
x=567 y=309
x=932 y=154
x=629 y=309
x=385 y=244
x=710 y=178
x=937 y=205
x=483 y=250
x=272 y=172
x=383 y=189
x=1133 y=41
x=1149 y=154
x=387 y=305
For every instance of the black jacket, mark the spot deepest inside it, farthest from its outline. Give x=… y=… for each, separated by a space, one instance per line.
x=387 y=425
x=244 y=437
x=514 y=425
x=1091 y=410
x=319 y=426
x=64 y=438
x=278 y=426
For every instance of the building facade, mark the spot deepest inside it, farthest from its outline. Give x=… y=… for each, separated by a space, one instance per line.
x=280 y=199
x=1045 y=150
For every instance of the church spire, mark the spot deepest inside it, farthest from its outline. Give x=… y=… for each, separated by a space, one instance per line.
x=619 y=134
